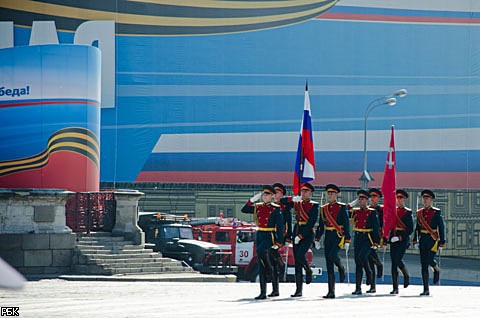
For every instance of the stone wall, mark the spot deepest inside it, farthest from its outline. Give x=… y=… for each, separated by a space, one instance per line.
x=45 y=253
x=33 y=235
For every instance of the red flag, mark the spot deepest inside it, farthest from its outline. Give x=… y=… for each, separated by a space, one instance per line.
x=305 y=162
x=389 y=186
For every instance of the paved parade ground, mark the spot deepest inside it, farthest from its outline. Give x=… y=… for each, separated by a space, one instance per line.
x=61 y=298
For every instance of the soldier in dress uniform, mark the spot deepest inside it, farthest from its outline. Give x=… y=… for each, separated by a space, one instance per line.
x=430 y=230
x=306 y=214
x=275 y=257
x=280 y=192
x=334 y=222
x=373 y=260
x=400 y=240
x=365 y=240
x=269 y=219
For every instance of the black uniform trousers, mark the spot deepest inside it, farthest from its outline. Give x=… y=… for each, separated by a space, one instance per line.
x=427 y=256
x=362 y=248
x=331 y=242
x=264 y=243
x=299 y=253
x=397 y=250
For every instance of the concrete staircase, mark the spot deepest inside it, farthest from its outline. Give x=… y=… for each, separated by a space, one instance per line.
x=102 y=254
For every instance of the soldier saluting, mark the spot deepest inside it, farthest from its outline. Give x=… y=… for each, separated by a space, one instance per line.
x=268 y=218
x=306 y=214
x=430 y=229
x=334 y=222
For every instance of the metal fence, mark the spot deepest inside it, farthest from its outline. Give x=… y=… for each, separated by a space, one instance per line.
x=91 y=212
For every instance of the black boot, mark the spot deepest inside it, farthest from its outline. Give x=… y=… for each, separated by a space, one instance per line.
x=298 y=282
x=436 y=274
x=341 y=270
x=308 y=275
x=331 y=286
x=372 y=289
x=368 y=272
x=358 y=282
x=263 y=288
x=406 y=276
x=426 y=291
x=275 y=292
x=394 y=282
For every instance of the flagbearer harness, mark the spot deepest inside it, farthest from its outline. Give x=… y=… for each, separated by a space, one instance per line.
x=428 y=230
x=327 y=216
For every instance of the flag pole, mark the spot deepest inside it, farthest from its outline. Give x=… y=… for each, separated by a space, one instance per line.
x=302 y=159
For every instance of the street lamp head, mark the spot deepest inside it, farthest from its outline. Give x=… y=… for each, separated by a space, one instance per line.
x=391 y=101
x=400 y=93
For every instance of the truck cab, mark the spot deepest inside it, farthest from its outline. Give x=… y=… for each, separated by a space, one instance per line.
x=172 y=236
x=238 y=237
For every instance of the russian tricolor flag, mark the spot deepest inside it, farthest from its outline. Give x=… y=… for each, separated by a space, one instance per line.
x=305 y=163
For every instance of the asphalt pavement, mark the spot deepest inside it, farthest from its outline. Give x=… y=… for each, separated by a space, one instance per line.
x=86 y=299
x=455 y=271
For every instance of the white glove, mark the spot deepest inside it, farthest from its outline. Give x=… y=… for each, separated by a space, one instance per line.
x=440 y=248
x=256 y=197
x=297 y=239
x=275 y=247
x=415 y=246
x=346 y=246
x=297 y=198
x=353 y=203
x=318 y=245
x=374 y=247
x=394 y=239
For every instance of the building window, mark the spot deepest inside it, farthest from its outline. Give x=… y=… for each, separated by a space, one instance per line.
x=212 y=211
x=461 y=235
x=459 y=200
x=476 y=235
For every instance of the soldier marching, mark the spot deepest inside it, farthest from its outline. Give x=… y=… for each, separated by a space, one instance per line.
x=269 y=219
x=429 y=237
x=306 y=214
x=274 y=220
x=334 y=222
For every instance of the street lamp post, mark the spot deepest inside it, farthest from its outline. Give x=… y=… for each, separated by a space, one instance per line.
x=389 y=100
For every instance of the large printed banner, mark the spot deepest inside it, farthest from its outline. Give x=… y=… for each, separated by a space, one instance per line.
x=210 y=91
x=50 y=117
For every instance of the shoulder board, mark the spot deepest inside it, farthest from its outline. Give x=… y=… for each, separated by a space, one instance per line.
x=436 y=209
x=275 y=205
x=371 y=209
x=313 y=202
x=341 y=203
x=356 y=209
x=258 y=203
x=409 y=210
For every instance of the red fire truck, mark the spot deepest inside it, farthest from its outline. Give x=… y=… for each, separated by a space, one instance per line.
x=238 y=237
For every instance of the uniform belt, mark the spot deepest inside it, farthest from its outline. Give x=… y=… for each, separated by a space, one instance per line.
x=363 y=230
x=426 y=232
x=331 y=228
x=266 y=229
x=399 y=229
x=301 y=223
